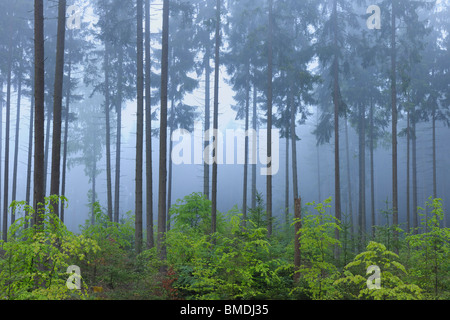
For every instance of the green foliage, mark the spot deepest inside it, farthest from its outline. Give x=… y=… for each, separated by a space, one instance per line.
x=34 y=261
x=317 y=243
x=353 y=285
x=430 y=252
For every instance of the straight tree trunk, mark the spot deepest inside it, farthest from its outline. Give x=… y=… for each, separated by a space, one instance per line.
x=163 y=137
x=294 y=145
x=39 y=58
x=408 y=169
x=169 y=187
x=1 y=135
x=349 y=180
x=206 y=167
x=118 y=135
x=337 y=182
x=57 y=104
x=66 y=137
x=148 y=132
x=6 y=174
x=254 y=124
x=47 y=146
x=372 y=171
x=269 y=122
x=30 y=150
x=16 y=144
x=140 y=127
x=414 y=174
x=215 y=118
x=394 y=127
x=297 y=227
x=433 y=121
x=108 y=134
x=247 y=107
x=362 y=178
x=286 y=191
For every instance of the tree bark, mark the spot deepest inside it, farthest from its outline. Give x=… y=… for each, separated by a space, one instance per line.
x=108 y=134
x=247 y=107
x=118 y=135
x=408 y=179
x=163 y=136
x=372 y=171
x=39 y=58
x=140 y=128
x=206 y=167
x=269 y=121
x=362 y=178
x=30 y=150
x=169 y=187
x=148 y=132
x=297 y=227
x=57 y=104
x=254 y=125
x=16 y=144
x=414 y=173
x=215 y=119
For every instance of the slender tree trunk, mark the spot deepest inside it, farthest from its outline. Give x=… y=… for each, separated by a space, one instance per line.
x=169 y=187
x=148 y=132
x=140 y=127
x=372 y=171
x=294 y=145
x=1 y=136
x=297 y=227
x=6 y=174
x=57 y=104
x=362 y=178
x=47 y=145
x=206 y=167
x=286 y=191
x=39 y=58
x=247 y=107
x=118 y=135
x=408 y=179
x=16 y=145
x=349 y=180
x=394 y=128
x=337 y=183
x=163 y=136
x=254 y=124
x=269 y=121
x=30 y=150
x=216 y=118
x=414 y=173
x=433 y=120
x=108 y=135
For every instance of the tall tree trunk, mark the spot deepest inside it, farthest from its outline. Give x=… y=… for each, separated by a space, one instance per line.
x=206 y=167
x=148 y=132
x=108 y=134
x=362 y=177
x=286 y=191
x=30 y=150
x=1 y=135
x=414 y=173
x=6 y=174
x=118 y=135
x=94 y=174
x=294 y=144
x=247 y=107
x=254 y=124
x=394 y=127
x=163 y=136
x=269 y=121
x=169 y=187
x=408 y=179
x=39 y=58
x=297 y=227
x=47 y=145
x=337 y=181
x=57 y=104
x=215 y=118
x=372 y=171
x=433 y=121
x=140 y=127
x=16 y=144
x=349 y=180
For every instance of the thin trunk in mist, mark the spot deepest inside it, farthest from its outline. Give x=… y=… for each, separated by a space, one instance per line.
x=118 y=134
x=297 y=227
x=254 y=124
x=215 y=118
x=372 y=170
x=394 y=126
x=108 y=135
x=433 y=122
x=362 y=178
x=414 y=173
x=269 y=121
x=57 y=104
x=408 y=169
x=16 y=144
x=294 y=145
x=169 y=182
x=139 y=127
x=30 y=149
x=66 y=135
x=337 y=181
x=47 y=146
x=39 y=58
x=6 y=168
x=207 y=116
x=163 y=137
x=349 y=180
x=94 y=171
x=148 y=132
x=286 y=191
x=247 y=107
x=1 y=135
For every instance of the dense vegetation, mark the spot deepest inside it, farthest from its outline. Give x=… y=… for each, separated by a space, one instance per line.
x=237 y=262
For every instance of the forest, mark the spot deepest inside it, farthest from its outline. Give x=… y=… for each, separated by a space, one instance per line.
x=224 y=150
